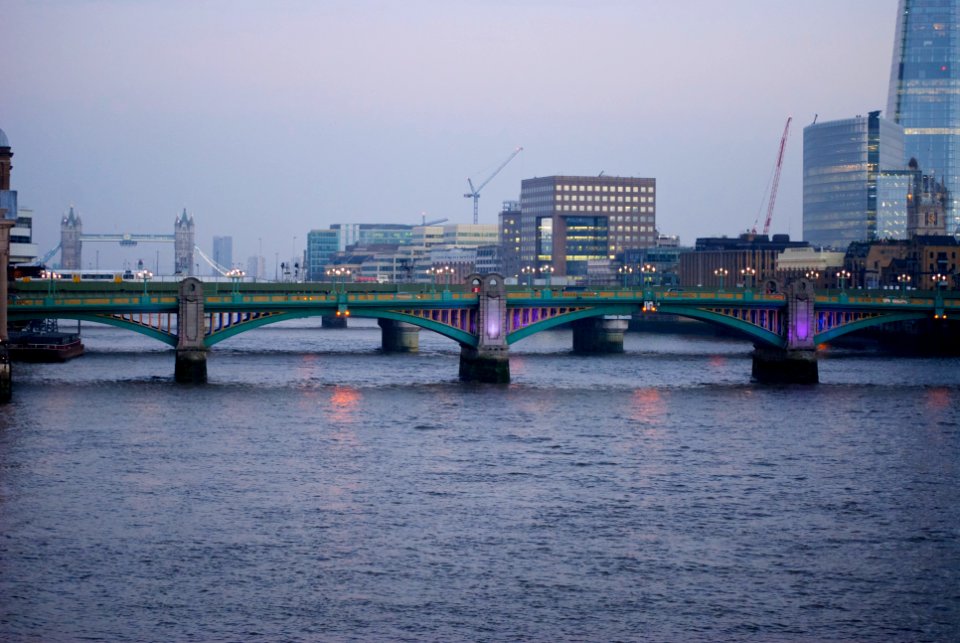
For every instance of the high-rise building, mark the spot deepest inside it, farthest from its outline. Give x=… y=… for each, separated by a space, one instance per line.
x=509 y=238
x=842 y=161
x=569 y=221
x=925 y=92
x=223 y=252
x=321 y=245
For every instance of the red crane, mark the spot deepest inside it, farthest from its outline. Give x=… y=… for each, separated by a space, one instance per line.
x=776 y=179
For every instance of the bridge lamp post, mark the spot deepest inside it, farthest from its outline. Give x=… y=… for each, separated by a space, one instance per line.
x=904 y=279
x=843 y=275
x=528 y=273
x=939 y=281
x=51 y=278
x=449 y=271
x=748 y=276
x=648 y=271
x=625 y=271
x=812 y=275
x=722 y=274
x=547 y=271
x=146 y=275
x=236 y=275
x=432 y=274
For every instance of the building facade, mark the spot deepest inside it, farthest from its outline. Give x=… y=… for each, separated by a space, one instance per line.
x=509 y=238
x=223 y=252
x=747 y=260
x=567 y=222
x=924 y=95
x=842 y=161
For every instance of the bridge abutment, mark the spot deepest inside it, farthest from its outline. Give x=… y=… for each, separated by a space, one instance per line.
x=398 y=337
x=333 y=321
x=191 y=364
x=489 y=361
x=599 y=335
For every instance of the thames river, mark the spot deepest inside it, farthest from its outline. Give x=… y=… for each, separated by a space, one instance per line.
x=319 y=490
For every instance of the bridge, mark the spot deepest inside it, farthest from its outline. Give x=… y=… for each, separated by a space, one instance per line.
x=483 y=315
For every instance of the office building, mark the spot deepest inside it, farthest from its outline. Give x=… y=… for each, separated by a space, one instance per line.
x=569 y=222
x=924 y=93
x=22 y=247
x=842 y=161
x=223 y=253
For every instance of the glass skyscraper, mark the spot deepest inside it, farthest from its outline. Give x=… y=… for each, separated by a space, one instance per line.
x=925 y=92
x=842 y=163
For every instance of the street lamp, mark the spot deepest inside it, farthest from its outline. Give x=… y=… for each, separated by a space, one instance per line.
x=528 y=272
x=51 y=278
x=146 y=275
x=939 y=281
x=236 y=275
x=748 y=274
x=449 y=271
x=721 y=273
x=843 y=275
x=547 y=271
x=625 y=271
x=812 y=275
x=339 y=276
x=904 y=279
x=432 y=274
x=647 y=270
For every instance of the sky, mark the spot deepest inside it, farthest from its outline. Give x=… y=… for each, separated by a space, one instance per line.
x=268 y=119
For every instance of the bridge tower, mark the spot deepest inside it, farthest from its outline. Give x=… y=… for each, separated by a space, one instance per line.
x=490 y=360
x=183 y=244
x=71 y=227
x=796 y=362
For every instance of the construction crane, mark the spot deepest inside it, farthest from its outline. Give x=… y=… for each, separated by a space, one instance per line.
x=475 y=192
x=775 y=183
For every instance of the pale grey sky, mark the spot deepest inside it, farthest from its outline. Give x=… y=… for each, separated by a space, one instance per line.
x=267 y=119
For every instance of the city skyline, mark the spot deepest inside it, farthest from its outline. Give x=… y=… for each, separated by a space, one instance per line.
x=267 y=122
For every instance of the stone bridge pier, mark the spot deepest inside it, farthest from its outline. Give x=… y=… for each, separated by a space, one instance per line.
x=795 y=363
x=398 y=337
x=490 y=360
x=599 y=335
x=191 y=366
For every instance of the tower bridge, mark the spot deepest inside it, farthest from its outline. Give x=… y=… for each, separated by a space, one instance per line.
x=483 y=315
x=72 y=239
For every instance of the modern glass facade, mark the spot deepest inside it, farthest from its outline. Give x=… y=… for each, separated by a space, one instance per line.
x=841 y=164
x=925 y=92
x=321 y=245
x=894 y=190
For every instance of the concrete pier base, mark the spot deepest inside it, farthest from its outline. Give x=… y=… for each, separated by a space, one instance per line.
x=398 y=337
x=780 y=366
x=191 y=366
x=488 y=366
x=6 y=376
x=332 y=321
x=599 y=335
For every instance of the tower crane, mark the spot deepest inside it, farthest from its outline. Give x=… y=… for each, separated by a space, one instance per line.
x=775 y=183
x=475 y=192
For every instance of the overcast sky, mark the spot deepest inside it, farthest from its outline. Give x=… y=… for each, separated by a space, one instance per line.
x=267 y=119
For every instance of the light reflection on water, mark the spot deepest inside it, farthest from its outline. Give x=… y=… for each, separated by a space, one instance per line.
x=317 y=489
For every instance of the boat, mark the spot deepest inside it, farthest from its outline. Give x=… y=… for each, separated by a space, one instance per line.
x=42 y=341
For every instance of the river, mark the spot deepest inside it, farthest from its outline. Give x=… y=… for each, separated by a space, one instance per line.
x=317 y=489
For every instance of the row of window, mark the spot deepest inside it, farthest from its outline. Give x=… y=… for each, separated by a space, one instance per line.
x=645 y=189
x=604 y=199
x=604 y=208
